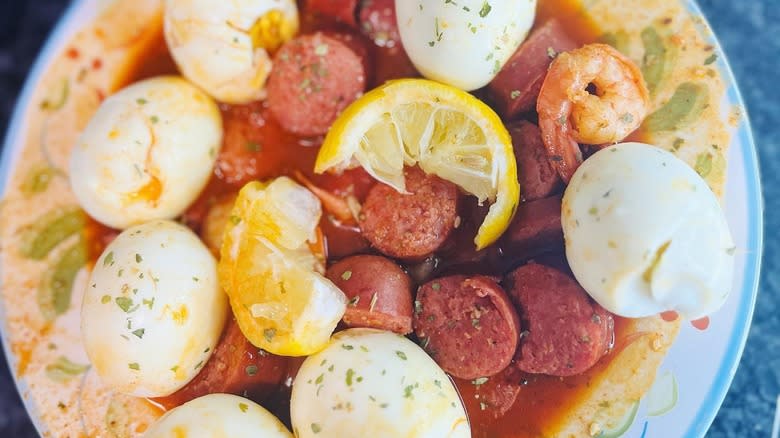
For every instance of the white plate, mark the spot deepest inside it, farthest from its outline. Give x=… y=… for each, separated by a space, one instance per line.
x=703 y=363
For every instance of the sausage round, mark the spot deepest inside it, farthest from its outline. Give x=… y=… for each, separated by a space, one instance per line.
x=538 y=178
x=314 y=78
x=467 y=324
x=392 y=63
x=235 y=367
x=536 y=228
x=516 y=87
x=360 y=45
x=340 y=10
x=566 y=333
x=413 y=225
x=378 y=290
x=378 y=22
x=249 y=144
x=499 y=392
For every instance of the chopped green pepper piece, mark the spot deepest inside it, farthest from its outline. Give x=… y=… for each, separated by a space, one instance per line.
x=685 y=106
x=50 y=230
x=56 y=287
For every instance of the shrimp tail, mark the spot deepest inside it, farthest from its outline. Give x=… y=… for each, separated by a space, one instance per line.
x=562 y=150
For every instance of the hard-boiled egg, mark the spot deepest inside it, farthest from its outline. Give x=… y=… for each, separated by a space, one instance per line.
x=645 y=234
x=147 y=152
x=370 y=383
x=223 y=46
x=463 y=43
x=219 y=415
x=153 y=310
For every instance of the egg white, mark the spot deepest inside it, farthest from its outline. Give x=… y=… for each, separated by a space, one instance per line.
x=212 y=43
x=645 y=234
x=371 y=383
x=463 y=43
x=147 y=152
x=219 y=415
x=153 y=310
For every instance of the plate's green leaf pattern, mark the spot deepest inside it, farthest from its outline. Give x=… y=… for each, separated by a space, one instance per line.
x=685 y=106
x=56 y=287
x=51 y=229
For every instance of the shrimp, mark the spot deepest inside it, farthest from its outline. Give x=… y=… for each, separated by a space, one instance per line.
x=570 y=114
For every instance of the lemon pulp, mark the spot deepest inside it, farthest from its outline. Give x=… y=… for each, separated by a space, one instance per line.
x=280 y=298
x=444 y=130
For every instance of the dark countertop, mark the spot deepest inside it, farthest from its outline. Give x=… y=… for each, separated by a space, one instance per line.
x=748 y=30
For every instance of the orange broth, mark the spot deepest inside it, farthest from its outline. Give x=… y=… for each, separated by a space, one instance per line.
x=543 y=401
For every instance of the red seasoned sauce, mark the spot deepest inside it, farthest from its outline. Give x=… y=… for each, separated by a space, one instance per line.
x=699 y=324
x=256 y=148
x=571 y=15
x=543 y=401
x=669 y=315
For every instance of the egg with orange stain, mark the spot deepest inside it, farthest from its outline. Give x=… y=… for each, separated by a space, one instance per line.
x=153 y=310
x=226 y=47
x=146 y=153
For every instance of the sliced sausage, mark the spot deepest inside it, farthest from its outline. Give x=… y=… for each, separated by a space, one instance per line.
x=379 y=23
x=392 y=63
x=413 y=225
x=250 y=144
x=516 y=87
x=535 y=229
x=378 y=290
x=360 y=45
x=498 y=393
x=314 y=78
x=566 y=333
x=538 y=178
x=467 y=324
x=236 y=367
x=340 y=10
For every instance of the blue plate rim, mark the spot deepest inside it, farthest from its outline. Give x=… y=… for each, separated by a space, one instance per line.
x=755 y=226
x=755 y=243
x=12 y=136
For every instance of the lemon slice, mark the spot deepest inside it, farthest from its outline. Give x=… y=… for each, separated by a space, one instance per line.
x=280 y=298
x=446 y=131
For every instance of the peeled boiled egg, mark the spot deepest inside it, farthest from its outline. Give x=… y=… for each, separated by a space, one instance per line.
x=147 y=152
x=219 y=415
x=645 y=234
x=463 y=43
x=223 y=46
x=153 y=310
x=371 y=383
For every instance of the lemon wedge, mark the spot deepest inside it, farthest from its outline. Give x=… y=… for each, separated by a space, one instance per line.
x=281 y=300
x=446 y=131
